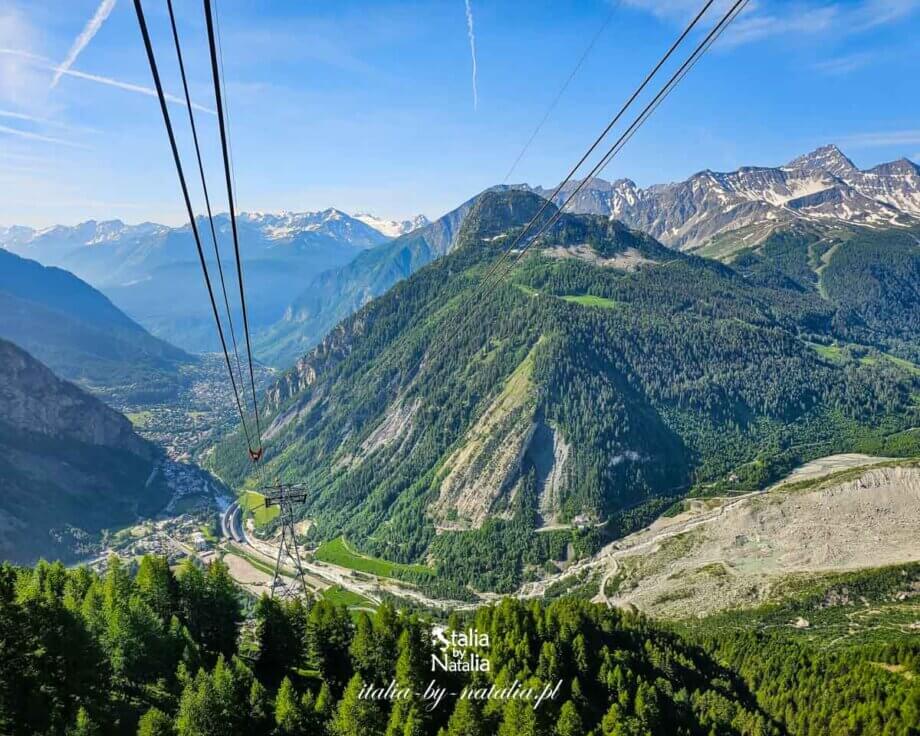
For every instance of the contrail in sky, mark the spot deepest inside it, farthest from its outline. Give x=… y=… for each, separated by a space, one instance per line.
x=45 y=63
x=91 y=29
x=472 y=35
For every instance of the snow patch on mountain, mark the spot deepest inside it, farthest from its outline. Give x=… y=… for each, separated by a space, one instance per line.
x=392 y=228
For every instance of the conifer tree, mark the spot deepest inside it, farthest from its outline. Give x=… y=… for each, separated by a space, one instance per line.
x=357 y=716
x=155 y=723
x=157 y=586
x=465 y=720
x=290 y=719
x=83 y=725
x=329 y=637
x=569 y=722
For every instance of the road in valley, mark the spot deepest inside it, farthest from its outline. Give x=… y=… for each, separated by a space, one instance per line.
x=325 y=574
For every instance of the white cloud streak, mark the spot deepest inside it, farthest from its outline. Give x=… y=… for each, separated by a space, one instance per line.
x=149 y=91
x=81 y=41
x=472 y=36
x=29 y=135
x=21 y=116
x=760 y=21
x=46 y=63
x=883 y=138
x=845 y=64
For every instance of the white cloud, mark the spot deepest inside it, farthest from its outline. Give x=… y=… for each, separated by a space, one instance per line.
x=29 y=135
x=882 y=138
x=149 y=91
x=845 y=64
x=472 y=36
x=86 y=35
x=21 y=116
x=771 y=19
x=22 y=86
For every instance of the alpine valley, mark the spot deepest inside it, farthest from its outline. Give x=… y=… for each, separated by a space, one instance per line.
x=661 y=464
x=604 y=379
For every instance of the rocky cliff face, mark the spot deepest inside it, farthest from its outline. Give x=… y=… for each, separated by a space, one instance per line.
x=33 y=399
x=69 y=465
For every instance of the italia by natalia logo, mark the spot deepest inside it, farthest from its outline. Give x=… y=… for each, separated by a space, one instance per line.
x=455 y=654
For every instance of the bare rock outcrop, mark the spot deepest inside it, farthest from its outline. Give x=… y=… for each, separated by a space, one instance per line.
x=33 y=399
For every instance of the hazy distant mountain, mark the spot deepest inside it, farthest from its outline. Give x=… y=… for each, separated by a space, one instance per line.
x=66 y=460
x=111 y=252
x=334 y=294
x=152 y=271
x=820 y=187
x=392 y=228
x=80 y=334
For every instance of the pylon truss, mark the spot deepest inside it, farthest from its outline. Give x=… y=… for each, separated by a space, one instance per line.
x=284 y=497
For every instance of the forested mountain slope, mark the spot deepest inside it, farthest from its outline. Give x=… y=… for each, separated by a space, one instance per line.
x=80 y=334
x=605 y=377
x=871 y=276
x=67 y=463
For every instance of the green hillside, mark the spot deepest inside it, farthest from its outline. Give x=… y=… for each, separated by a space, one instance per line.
x=605 y=377
x=869 y=276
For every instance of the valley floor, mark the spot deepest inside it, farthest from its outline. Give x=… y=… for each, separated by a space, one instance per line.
x=254 y=557
x=838 y=513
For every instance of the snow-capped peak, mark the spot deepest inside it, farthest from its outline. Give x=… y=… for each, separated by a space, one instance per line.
x=391 y=228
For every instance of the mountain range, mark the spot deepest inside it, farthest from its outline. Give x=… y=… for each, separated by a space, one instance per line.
x=719 y=213
x=307 y=271
x=135 y=265
x=68 y=463
x=605 y=377
x=392 y=228
x=821 y=188
x=335 y=294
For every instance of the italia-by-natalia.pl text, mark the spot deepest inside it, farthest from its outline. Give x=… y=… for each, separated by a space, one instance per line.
x=461 y=652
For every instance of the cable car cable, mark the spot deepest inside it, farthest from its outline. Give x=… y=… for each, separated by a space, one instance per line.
x=484 y=284
x=151 y=58
x=562 y=89
x=616 y=118
x=688 y=64
x=257 y=454
x=204 y=187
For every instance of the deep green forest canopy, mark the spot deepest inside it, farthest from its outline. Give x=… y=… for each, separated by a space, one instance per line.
x=151 y=651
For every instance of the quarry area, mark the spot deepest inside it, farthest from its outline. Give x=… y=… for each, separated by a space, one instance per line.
x=839 y=513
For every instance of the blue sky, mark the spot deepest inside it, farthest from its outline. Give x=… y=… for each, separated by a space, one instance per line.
x=368 y=106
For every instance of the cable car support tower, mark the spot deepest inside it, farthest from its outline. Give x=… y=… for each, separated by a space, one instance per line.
x=285 y=496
